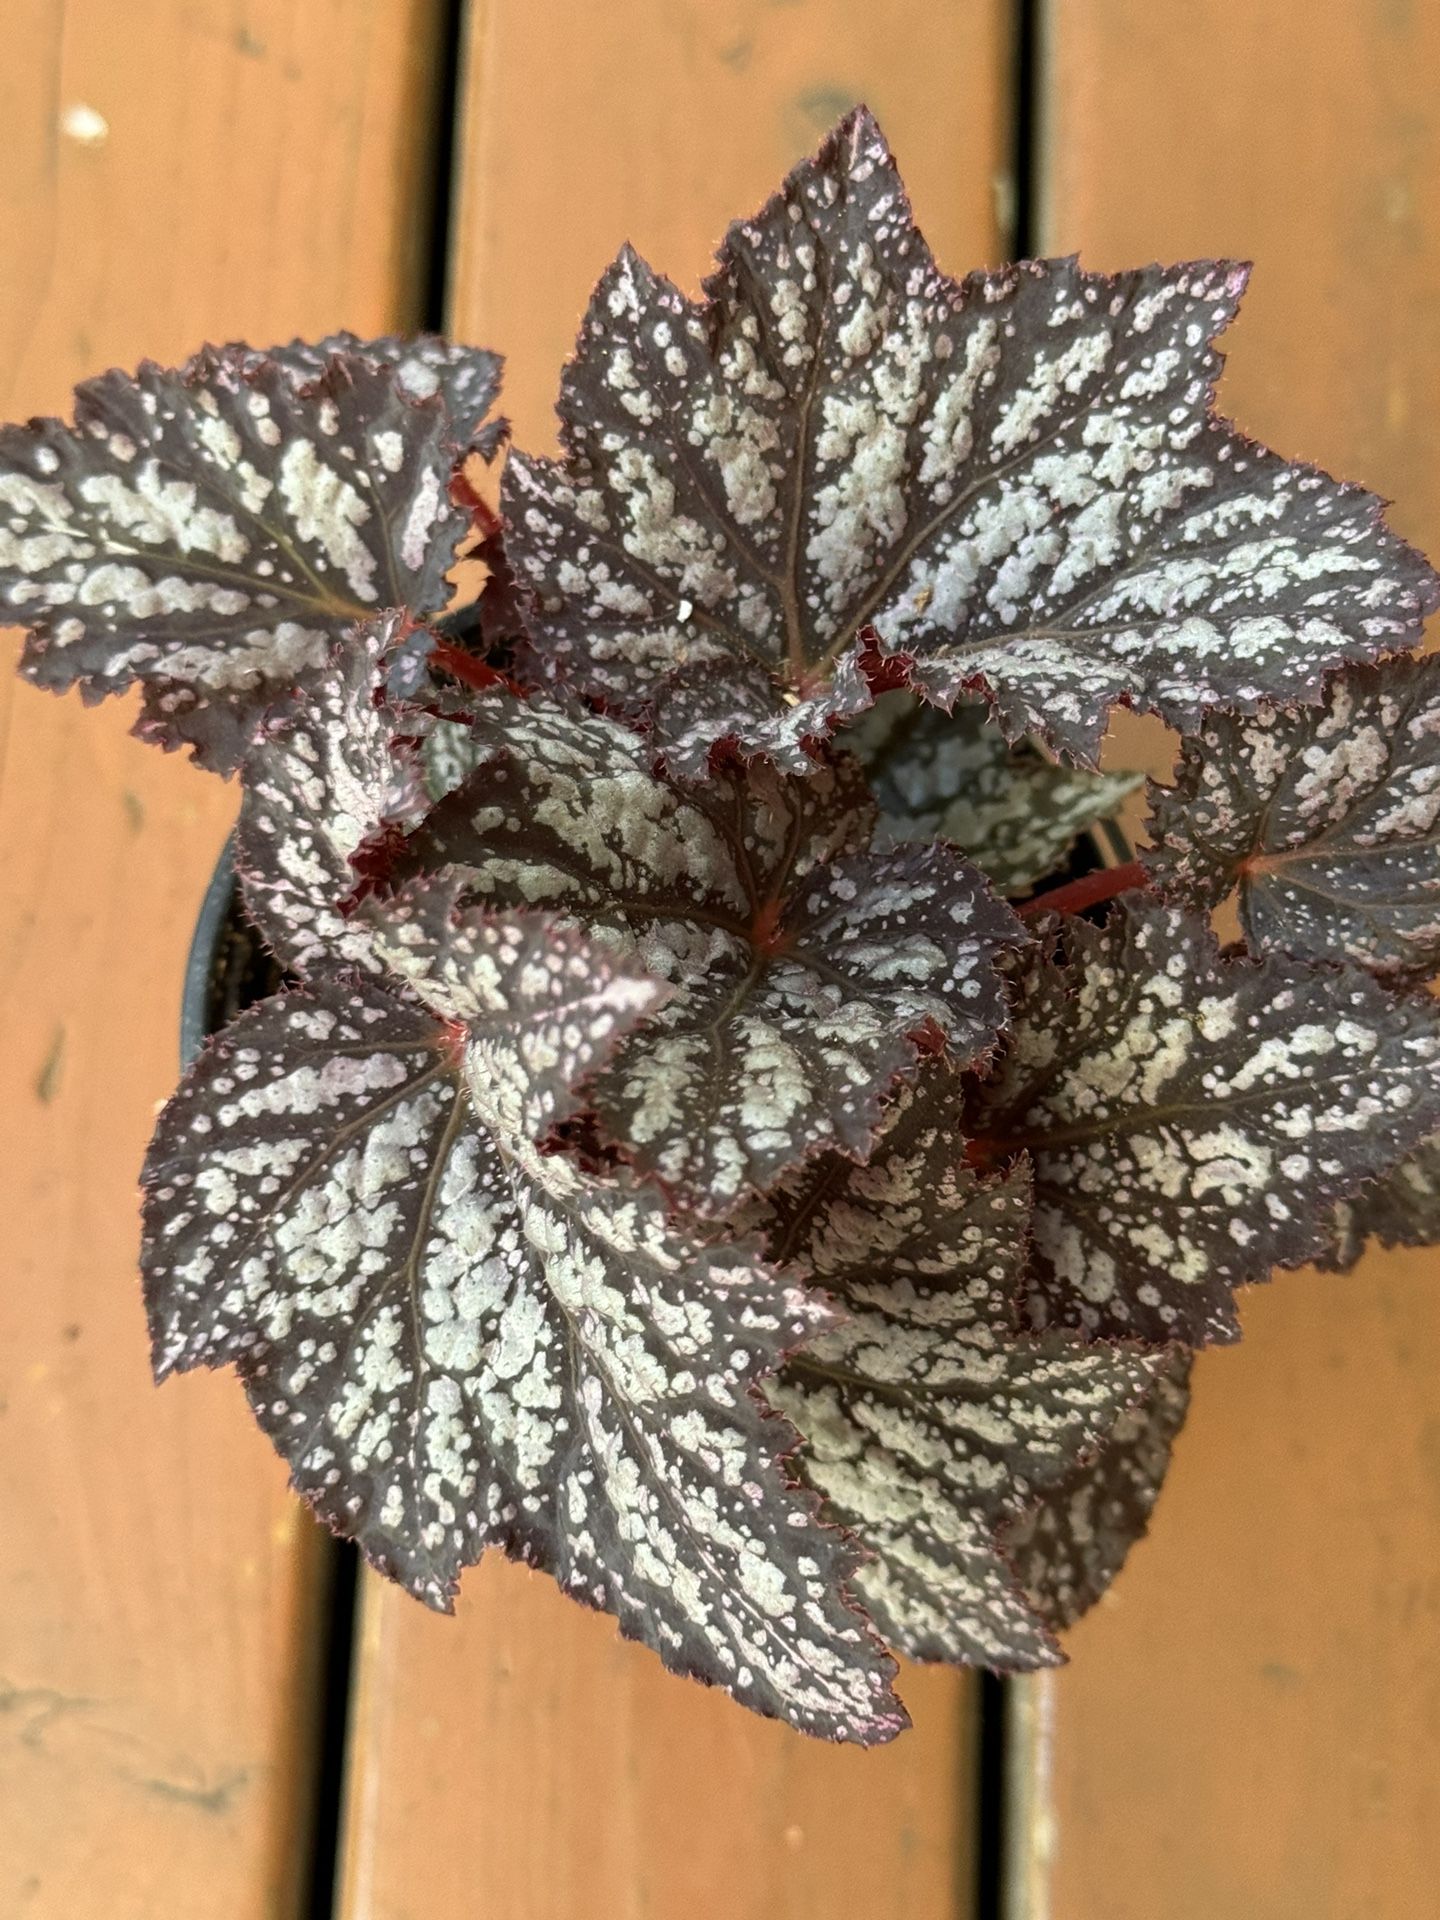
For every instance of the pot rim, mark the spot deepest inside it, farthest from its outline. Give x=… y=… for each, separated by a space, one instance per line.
x=215 y=907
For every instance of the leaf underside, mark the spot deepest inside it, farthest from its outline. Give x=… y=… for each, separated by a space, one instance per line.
x=212 y=532
x=1190 y=1120
x=1017 y=482
x=1328 y=819
x=458 y=1342
x=952 y=776
x=803 y=966
x=930 y=1419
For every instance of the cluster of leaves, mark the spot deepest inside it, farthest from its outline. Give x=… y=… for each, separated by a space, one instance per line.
x=676 y=1161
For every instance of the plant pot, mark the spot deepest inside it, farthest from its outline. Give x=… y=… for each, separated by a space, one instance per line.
x=228 y=967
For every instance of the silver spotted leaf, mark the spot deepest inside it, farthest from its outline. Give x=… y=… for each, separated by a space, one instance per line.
x=1016 y=483
x=1191 y=1119
x=459 y=1342
x=527 y=1079
x=335 y=776
x=930 y=1419
x=805 y=968
x=449 y=754
x=210 y=533
x=701 y=711
x=1401 y=1209
x=1327 y=819
x=952 y=776
x=465 y=379
x=1075 y=1537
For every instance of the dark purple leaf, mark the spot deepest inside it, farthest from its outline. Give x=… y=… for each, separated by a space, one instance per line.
x=1018 y=483
x=930 y=1419
x=803 y=965
x=1070 y=1544
x=466 y=379
x=458 y=1341
x=952 y=776
x=1191 y=1120
x=211 y=533
x=1327 y=818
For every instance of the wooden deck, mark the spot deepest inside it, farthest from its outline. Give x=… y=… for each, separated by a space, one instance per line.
x=1250 y=1729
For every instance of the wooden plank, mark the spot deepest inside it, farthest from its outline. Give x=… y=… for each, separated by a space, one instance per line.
x=172 y=170
x=1253 y=1727
x=521 y=1761
x=660 y=121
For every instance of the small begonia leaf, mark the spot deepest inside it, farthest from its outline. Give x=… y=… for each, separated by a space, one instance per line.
x=211 y=532
x=805 y=968
x=931 y=1419
x=701 y=709
x=1327 y=818
x=1016 y=484
x=458 y=1341
x=1191 y=1119
x=952 y=776
x=1077 y=1534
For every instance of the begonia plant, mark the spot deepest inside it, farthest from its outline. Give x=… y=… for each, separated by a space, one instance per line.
x=728 y=1134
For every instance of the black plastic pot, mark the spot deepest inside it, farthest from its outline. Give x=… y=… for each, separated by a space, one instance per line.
x=227 y=968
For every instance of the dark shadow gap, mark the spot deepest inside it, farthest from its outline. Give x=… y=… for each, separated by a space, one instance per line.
x=989 y=1895
x=336 y=1627
x=1025 y=128
x=988 y=1891
x=444 y=126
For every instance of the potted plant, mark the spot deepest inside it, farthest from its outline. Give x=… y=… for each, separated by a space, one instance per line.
x=716 y=1141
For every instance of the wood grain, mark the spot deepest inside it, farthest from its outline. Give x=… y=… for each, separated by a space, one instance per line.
x=1252 y=1728
x=170 y=170
x=660 y=121
x=521 y=1761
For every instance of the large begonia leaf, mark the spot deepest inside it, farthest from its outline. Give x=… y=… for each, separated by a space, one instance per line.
x=953 y=776
x=930 y=1419
x=1192 y=1119
x=1327 y=818
x=1401 y=1209
x=1017 y=482
x=805 y=967
x=458 y=1341
x=1075 y=1537
x=211 y=532
x=325 y=786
